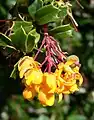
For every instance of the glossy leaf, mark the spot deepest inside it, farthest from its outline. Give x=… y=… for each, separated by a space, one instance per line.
x=30 y=42
x=19 y=38
x=26 y=25
x=36 y=35
x=46 y=14
x=61 y=32
x=34 y=7
x=61 y=28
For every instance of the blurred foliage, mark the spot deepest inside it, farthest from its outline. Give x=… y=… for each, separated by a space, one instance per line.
x=79 y=106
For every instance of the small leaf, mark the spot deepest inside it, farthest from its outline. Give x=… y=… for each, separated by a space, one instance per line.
x=32 y=39
x=14 y=72
x=30 y=42
x=37 y=36
x=62 y=35
x=34 y=7
x=26 y=25
x=19 y=38
x=61 y=32
x=62 y=28
x=46 y=14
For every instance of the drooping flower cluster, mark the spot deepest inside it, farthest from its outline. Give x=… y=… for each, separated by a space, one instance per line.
x=57 y=74
x=65 y=79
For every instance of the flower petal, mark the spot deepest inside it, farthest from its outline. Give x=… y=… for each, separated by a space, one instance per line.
x=28 y=93
x=46 y=99
x=35 y=77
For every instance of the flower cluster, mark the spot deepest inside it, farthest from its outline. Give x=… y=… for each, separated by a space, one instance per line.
x=65 y=79
x=57 y=74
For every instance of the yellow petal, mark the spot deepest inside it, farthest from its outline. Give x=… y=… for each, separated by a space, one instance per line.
x=50 y=80
x=74 y=88
x=23 y=71
x=76 y=69
x=35 y=77
x=50 y=99
x=61 y=65
x=67 y=68
x=28 y=94
x=25 y=62
x=46 y=99
x=79 y=78
x=72 y=59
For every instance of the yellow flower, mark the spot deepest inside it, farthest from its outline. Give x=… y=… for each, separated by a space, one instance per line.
x=67 y=79
x=47 y=99
x=35 y=77
x=25 y=64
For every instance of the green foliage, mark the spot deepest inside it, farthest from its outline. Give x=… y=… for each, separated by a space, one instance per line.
x=62 y=31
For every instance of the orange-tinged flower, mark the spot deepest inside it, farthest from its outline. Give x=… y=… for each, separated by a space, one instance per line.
x=35 y=77
x=49 y=81
x=29 y=93
x=46 y=99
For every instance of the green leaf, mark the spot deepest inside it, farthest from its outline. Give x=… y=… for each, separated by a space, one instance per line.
x=62 y=35
x=37 y=36
x=26 y=25
x=46 y=14
x=61 y=32
x=62 y=28
x=14 y=72
x=34 y=7
x=30 y=42
x=19 y=38
x=32 y=39
x=77 y=117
